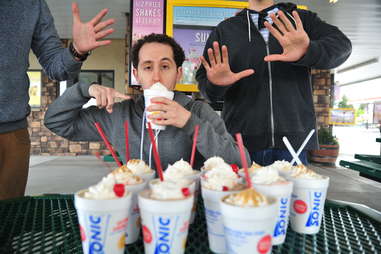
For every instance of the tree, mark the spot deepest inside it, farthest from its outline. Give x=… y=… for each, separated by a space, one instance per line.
x=344 y=103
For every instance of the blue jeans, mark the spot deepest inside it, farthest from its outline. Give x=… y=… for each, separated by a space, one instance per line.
x=268 y=156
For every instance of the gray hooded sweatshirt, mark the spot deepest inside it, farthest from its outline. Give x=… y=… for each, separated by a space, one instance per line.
x=26 y=25
x=67 y=118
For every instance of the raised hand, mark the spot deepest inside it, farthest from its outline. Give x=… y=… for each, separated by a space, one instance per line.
x=106 y=96
x=294 y=41
x=218 y=71
x=169 y=112
x=87 y=36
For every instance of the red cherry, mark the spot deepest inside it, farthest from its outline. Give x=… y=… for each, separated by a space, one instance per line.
x=185 y=191
x=235 y=168
x=224 y=188
x=119 y=189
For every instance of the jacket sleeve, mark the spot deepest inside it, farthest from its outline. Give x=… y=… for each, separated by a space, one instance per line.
x=329 y=47
x=213 y=139
x=210 y=91
x=57 y=62
x=66 y=117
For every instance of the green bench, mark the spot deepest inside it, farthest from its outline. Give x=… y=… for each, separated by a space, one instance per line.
x=367 y=157
x=368 y=169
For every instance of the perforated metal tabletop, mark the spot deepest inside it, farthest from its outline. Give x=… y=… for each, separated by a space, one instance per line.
x=49 y=224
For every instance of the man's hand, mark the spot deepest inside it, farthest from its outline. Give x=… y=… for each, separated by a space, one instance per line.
x=169 y=112
x=106 y=96
x=87 y=36
x=294 y=41
x=218 y=71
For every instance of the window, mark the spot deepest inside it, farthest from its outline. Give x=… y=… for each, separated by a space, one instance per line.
x=103 y=77
x=34 y=88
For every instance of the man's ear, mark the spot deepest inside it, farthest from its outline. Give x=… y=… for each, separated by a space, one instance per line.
x=179 y=74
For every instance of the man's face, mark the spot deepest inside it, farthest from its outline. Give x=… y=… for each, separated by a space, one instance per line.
x=157 y=64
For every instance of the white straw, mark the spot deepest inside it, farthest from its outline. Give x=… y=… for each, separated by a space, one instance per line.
x=291 y=150
x=303 y=145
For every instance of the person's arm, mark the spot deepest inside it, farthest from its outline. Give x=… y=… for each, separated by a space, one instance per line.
x=57 y=62
x=328 y=48
x=213 y=139
x=66 y=117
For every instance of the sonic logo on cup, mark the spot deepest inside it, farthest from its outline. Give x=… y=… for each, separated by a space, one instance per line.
x=280 y=227
x=313 y=218
x=96 y=241
x=163 y=242
x=300 y=206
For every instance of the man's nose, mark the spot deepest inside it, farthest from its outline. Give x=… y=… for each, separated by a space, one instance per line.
x=156 y=76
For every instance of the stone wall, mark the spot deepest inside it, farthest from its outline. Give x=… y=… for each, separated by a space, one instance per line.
x=43 y=141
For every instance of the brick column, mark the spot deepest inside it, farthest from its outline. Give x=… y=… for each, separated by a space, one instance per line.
x=322 y=84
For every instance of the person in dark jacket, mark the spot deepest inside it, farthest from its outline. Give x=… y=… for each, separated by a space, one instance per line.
x=263 y=74
x=25 y=26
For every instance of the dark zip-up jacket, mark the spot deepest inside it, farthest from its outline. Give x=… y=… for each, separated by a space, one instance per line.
x=276 y=100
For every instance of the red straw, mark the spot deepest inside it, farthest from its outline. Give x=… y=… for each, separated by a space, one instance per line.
x=100 y=130
x=196 y=128
x=155 y=152
x=243 y=158
x=126 y=139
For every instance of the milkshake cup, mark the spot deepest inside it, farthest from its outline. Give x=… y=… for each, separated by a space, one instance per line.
x=248 y=229
x=282 y=191
x=307 y=201
x=102 y=223
x=156 y=90
x=213 y=216
x=165 y=223
x=133 y=226
x=181 y=170
x=219 y=179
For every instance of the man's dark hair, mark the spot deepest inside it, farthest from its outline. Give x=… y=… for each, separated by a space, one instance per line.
x=178 y=52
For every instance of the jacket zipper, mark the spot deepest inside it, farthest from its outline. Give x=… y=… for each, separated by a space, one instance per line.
x=271 y=97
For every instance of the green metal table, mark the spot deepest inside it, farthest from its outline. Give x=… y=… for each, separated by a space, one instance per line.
x=48 y=224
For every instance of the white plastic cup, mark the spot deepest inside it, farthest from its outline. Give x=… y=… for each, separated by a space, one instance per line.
x=248 y=230
x=133 y=225
x=307 y=204
x=282 y=191
x=165 y=223
x=102 y=223
x=148 y=95
x=196 y=179
x=215 y=226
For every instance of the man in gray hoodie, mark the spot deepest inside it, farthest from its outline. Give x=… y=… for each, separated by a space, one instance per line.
x=26 y=25
x=156 y=58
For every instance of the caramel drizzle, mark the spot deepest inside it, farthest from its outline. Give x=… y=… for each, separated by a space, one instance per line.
x=251 y=196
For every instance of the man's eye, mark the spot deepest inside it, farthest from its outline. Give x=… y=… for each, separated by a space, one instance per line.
x=165 y=67
x=147 y=68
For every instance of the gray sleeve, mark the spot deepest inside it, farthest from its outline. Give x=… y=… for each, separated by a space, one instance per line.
x=57 y=62
x=213 y=138
x=66 y=117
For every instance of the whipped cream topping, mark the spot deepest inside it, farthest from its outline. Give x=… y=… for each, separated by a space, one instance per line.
x=139 y=167
x=169 y=190
x=301 y=171
x=251 y=170
x=215 y=162
x=247 y=198
x=125 y=176
x=282 y=166
x=266 y=175
x=158 y=87
x=179 y=170
x=104 y=189
x=221 y=179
